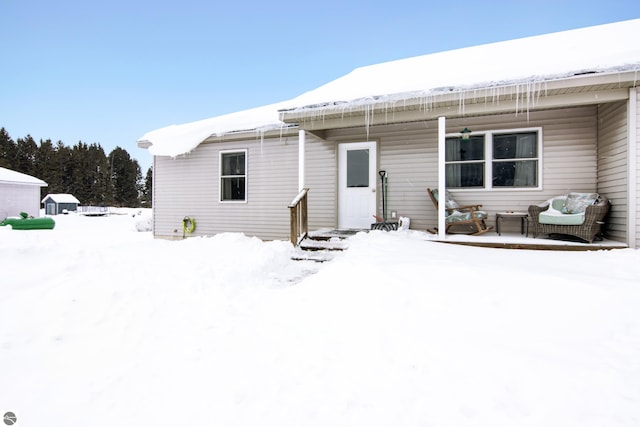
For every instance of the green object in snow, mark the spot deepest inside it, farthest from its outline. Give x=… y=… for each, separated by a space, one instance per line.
x=27 y=223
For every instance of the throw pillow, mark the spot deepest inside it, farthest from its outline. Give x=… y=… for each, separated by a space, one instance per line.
x=578 y=202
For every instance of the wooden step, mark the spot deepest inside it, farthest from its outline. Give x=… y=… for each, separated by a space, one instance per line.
x=315 y=256
x=315 y=244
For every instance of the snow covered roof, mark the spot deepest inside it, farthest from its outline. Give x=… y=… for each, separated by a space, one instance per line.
x=61 y=198
x=8 y=176
x=179 y=139
x=609 y=48
x=600 y=49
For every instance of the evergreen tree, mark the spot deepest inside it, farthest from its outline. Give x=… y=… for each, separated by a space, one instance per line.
x=80 y=180
x=147 y=192
x=125 y=177
x=98 y=177
x=64 y=167
x=7 y=150
x=25 y=160
x=46 y=167
x=83 y=170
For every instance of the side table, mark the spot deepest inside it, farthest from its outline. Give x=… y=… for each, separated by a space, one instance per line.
x=523 y=216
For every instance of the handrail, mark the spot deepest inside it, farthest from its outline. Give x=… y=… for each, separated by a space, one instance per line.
x=298 y=217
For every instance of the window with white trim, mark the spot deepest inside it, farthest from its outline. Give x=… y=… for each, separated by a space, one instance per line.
x=233 y=176
x=494 y=159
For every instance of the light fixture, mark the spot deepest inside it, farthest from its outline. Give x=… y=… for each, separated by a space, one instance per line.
x=465 y=134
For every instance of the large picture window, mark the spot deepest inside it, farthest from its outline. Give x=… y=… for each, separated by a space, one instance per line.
x=493 y=160
x=233 y=176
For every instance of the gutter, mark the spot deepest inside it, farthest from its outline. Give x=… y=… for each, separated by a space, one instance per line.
x=430 y=103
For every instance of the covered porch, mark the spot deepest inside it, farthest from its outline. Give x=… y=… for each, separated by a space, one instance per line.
x=587 y=142
x=514 y=240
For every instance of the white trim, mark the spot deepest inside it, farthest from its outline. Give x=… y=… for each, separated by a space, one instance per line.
x=441 y=176
x=246 y=175
x=632 y=172
x=302 y=139
x=488 y=158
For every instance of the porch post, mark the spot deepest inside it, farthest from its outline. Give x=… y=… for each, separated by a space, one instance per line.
x=632 y=171
x=441 y=176
x=302 y=137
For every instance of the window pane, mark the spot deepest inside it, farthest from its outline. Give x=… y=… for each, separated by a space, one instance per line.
x=357 y=168
x=515 y=174
x=458 y=150
x=460 y=175
x=232 y=164
x=515 y=146
x=232 y=189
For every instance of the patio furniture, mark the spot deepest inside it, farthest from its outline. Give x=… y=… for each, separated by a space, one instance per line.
x=461 y=215
x=579 y=215
x=522 y=216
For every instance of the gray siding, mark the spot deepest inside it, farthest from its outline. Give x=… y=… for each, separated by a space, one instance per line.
x=408 y=152
x=583 y=150
x=321 y=177
x=613 y=165
x=189 y=186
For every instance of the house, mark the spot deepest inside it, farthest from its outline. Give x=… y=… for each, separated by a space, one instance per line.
x=547 y=114
x=19 y=192
x=55 y=204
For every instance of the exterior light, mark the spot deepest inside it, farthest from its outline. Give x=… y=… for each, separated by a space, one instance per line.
x=465 y=134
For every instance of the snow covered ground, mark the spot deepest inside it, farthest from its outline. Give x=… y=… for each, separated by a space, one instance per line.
x=101 y=325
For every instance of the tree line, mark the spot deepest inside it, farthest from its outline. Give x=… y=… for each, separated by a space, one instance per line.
x=84 y=170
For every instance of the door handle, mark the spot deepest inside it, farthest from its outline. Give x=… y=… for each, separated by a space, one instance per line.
x=373 y=190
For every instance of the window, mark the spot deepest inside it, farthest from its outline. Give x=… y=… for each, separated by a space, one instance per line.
x=493 y=160
x=233 y=176
x=357 y=168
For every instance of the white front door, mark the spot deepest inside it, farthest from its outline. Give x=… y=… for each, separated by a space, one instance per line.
x=357 y=164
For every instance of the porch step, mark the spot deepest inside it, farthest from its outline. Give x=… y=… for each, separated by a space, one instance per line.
x=315 y=256
x=321 y=246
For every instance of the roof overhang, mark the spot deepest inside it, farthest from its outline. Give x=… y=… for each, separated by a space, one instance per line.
x=513 y=97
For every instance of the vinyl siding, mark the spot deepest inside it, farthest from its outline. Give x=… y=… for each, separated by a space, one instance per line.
x=189 y=186
x=572 y=160
x=321 y=177
x=613 y=166
x=16 y=198
x=408 y=152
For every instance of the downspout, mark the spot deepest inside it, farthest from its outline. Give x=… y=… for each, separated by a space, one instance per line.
x=441 y=177
x=302 y=139
x=632 y=171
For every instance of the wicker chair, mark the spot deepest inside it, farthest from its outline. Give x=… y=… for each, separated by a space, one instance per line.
x=589 y=230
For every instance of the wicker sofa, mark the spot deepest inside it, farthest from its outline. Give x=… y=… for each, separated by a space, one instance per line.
x=579 y=215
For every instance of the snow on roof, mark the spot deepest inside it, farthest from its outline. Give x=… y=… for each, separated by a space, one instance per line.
x=61 y=198
x=599 y=49
x=609 y=48
x=179 y=139
x=8 y=176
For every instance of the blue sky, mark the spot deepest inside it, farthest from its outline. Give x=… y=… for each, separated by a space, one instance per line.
x=108 y=72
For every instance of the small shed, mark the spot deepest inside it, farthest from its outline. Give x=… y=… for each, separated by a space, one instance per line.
x=19 y=192
x=55 y=204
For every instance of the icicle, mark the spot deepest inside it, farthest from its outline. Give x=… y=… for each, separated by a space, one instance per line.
x=261 y=141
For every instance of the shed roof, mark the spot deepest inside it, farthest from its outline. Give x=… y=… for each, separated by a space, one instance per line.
x=9 y=176
x=609 y=48
x=61 y=198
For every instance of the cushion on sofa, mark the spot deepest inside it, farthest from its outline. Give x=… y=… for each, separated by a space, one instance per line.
x=577 y=202
x=558 y=218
